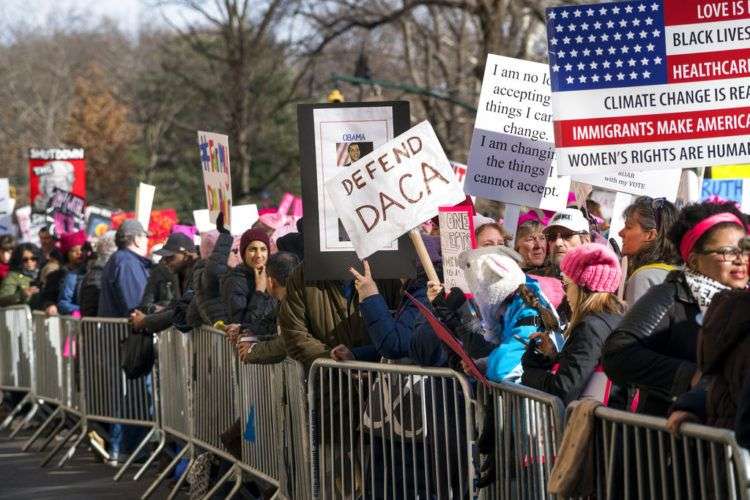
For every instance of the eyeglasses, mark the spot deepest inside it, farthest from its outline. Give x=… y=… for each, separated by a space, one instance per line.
x=729 y=254
x=29 y=259
x=657 y=205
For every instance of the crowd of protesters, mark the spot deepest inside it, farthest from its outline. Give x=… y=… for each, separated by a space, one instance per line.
x=551 y=307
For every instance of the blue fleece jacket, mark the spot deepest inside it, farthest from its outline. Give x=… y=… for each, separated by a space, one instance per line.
x=391 y=334
x=123 y=281
x=504 y=362
x=67 y=301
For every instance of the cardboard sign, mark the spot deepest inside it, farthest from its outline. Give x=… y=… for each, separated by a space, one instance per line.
x=244 y=217
x=394 y=189
x=144 y=200
x=7 y=204
x=726 y=190
x=656 y=184
x=64 y=169
x=217 y=177
x=331 y=138
x=159 y=227
x=730 y=172
x=23 y=218
x=65 y=212
x=98 y=221
x=460 y=170
x=456 y=236
x=649 y=85
x=512 y=148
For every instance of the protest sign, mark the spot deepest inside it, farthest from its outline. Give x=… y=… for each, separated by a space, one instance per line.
x=456 y=235
x=217 y=177
x=65 y=212
x=244 y=217
x=730 y=172
x=7 y=204
x=726 y=190
x=617 y=222
x=332 y=137
x=64 y=169
x=649 y=85
x=144 y=200
x=159 y=227
x=449 y=339
x=512 y=148
x=393 y=189
x=23 y=218
x=98 y=221
x=653 y=183
x=460 y=170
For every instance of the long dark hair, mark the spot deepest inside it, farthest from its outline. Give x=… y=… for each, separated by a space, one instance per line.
x=658 y=214
x=16 y=258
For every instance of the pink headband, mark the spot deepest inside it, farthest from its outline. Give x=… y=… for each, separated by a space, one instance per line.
x=692 y=236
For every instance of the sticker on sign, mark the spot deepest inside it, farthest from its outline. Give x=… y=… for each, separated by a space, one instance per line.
x=393 y=189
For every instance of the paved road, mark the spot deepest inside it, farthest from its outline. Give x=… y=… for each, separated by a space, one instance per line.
x=83 y=477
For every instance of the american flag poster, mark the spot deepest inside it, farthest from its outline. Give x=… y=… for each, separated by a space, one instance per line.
x=649 y=85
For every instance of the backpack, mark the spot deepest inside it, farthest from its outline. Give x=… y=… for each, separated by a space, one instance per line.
x=397 y=409
x=137 y=354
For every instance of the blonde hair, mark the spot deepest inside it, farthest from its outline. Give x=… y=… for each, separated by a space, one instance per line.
x=588 y=302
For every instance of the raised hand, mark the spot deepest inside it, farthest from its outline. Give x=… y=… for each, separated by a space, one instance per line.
x=366 y=286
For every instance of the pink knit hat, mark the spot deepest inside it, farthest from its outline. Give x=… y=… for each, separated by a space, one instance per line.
x=593 y=266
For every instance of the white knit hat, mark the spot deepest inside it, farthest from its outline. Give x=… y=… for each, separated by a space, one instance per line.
x=492 y=275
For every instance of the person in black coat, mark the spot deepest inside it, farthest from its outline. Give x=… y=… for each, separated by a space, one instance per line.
x=214 y=264
x=591 y=277
x=91 y=284
x=179 y=256
x=654 y=348
x=244 y=288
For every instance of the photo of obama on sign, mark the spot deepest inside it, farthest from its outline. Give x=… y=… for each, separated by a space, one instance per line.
x=394 y=189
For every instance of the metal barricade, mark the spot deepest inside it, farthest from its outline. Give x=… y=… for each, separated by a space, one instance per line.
x=175 y=380
x=17 y=360
x=107 y=395
x=390 y=431
x=638 y=458
x=214 y=397
x=16 y=349
x=295 y=476
x=528 y=426
x=70 y=328
x=259 y=401
x=48 y=351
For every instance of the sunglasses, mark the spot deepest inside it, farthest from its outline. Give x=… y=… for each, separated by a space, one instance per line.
x=29 y=259
x=566 y=235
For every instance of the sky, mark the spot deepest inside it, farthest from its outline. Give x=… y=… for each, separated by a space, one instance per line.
x=128 y=14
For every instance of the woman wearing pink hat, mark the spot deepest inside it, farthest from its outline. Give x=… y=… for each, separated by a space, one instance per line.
x=591 y=276
x=72 y=247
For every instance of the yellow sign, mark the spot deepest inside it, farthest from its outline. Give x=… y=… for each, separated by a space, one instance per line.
x=731 y=172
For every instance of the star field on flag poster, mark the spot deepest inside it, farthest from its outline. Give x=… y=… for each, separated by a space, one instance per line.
x=646 y=85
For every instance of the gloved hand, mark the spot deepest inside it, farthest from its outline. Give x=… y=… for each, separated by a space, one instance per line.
x=220 y=224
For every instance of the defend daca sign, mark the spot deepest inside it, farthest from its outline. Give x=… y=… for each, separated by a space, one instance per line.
x=393 y=189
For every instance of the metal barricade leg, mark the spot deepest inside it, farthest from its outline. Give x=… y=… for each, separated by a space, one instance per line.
x=72 y=450
x=159 y=448
x=64 y=441
x=182 y=479
x=134 y=455
x=32 y=412
x=165 y=472
x=41 y=428
x=238 y=482
x=16 y=410
x=54 y=432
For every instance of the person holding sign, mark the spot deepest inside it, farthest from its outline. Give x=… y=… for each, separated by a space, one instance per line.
x=591 y=277
x=654 y=348
x=645 y=242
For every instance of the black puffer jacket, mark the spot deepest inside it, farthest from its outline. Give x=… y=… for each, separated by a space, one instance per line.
x=578 y=359
x=89 y=290
x=654 y=348
x=254 y=310
x=162 y=287
x=207 y=281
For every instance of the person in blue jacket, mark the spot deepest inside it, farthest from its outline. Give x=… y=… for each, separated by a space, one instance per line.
x=125 y=275
x=123 y=280
x=76 y=253
x=513 y=307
